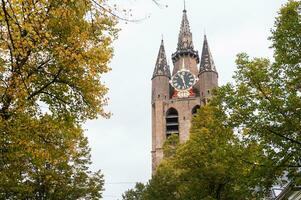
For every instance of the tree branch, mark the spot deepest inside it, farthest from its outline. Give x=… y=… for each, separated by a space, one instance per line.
x=46 y=85
x=9 y=32
x=54 y=96
x=38 y=67
x=258 y=86
x=113 y=14
x=283 y=136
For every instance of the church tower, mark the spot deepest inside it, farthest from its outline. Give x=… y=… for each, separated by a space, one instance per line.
x=177 y=96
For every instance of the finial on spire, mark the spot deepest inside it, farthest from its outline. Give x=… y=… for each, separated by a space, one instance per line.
x=185 y=44
x=185 y=36
x=162 y=37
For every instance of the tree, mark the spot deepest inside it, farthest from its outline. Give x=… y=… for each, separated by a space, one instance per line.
x=265 y=100
x=170 y=145
x=134 y=194
x=163 y=184
x=53 y=53
x=215 y=163
x=46 y=158
x=52 y=56
x=212 y=164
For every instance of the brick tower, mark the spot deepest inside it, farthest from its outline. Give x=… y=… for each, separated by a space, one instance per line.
x=177 y=96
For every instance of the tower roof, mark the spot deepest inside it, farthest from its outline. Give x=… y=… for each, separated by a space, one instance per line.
x=161 y=68
x=207 y=63
x=185 y=35
x=185 y=44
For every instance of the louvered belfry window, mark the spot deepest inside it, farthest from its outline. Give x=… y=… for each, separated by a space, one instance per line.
x=172 y=122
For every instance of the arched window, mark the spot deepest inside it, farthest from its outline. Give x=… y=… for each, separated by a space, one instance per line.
x=195 y=109
x=172 y=122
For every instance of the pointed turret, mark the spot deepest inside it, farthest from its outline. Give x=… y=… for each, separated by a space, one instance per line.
x=208 y=75
x=161 y=77
x=207 y=63
x=161 y=68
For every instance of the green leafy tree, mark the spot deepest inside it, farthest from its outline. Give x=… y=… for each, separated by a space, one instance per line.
x=162 y=185
x=265 y=101
x=170 y=146
x=46 y=158
x=212 y=164
x=136 y=193
x=52 y=56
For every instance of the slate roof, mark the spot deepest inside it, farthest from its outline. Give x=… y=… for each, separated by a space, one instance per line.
x=185 y=35
x=207 y=63
x=185 y=44
x=161 y=67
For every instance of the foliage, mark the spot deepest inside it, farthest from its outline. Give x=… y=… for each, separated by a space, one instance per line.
x=54 y=52
x=286 y=35
x=52 y=56
x=209 y=159
x=212 y=164
x=170 y=145
x=136 y=193
x=45 y=158
x=265 y=101
x=162 y=185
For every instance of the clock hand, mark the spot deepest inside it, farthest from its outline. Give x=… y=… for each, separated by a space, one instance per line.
x=182 y=77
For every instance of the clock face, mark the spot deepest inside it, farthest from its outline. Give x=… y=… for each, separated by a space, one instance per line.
x=183 y=80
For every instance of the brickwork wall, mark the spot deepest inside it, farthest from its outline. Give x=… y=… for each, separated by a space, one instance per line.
x=159 y=110
x=190 y=64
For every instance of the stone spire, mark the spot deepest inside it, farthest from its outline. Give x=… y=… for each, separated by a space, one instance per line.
x=207 y=63
x=161 y=68
x=185 y=44
x=185 y=36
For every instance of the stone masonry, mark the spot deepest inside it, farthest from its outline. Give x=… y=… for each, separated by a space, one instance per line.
x=170 y=114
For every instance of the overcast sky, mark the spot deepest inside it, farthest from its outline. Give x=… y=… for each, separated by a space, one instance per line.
x=121 y=146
